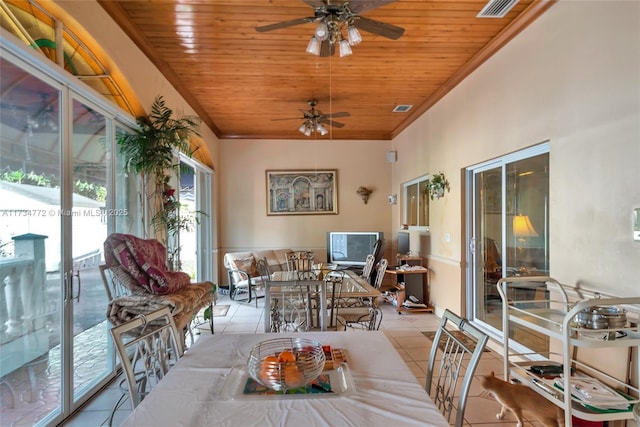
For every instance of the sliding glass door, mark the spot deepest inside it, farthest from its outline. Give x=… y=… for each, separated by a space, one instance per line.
x=508 y=234
x=90 y=154
x=57 y=204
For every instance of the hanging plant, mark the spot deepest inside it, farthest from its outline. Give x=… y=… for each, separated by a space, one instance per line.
x=436 y=185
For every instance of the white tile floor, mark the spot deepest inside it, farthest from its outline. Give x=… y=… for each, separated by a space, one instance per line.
x=405 y=332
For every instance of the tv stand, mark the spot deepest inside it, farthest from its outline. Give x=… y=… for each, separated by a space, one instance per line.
x=410 y=268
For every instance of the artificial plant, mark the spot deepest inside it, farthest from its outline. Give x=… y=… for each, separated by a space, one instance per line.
x=150 y=151
x=436 y=185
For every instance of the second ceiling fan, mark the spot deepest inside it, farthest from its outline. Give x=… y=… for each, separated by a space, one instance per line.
x=334 y=16
x=315 y=120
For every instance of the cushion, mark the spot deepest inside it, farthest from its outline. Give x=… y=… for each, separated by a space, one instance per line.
x=248 y=264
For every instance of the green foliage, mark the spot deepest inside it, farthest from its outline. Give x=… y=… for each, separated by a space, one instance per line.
x=30 y=178
x=149 y=149
x=437 y=184
x=91 y=190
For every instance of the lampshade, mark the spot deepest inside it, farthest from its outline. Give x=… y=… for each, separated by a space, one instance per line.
x=345 y=49
x=353 y=35
x=522 y=227
x=321 y=129
x=322 y=31
x=314 y=46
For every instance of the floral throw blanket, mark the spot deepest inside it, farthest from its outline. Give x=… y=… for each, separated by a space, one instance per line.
x=144 y=260
x=183 y=304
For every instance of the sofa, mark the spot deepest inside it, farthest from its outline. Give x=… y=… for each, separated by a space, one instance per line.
x=144 y=284
x=242 y=270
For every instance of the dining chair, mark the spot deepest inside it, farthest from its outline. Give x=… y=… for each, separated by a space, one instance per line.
x=360 y=313
x=456 y=358
x=368 y=321
x=148 y=346
x=302 y=263
x=380 y=271
x=334 y=281
x=368 y=267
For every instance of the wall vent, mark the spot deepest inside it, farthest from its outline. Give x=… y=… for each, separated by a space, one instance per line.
x=402 y=108
x=496 y=8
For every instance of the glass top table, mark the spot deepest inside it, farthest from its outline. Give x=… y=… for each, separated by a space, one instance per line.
x=353 y=286
x=284 y=287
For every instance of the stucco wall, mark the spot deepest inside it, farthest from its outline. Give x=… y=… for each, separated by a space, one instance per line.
x=571 y=78
x=243 y=219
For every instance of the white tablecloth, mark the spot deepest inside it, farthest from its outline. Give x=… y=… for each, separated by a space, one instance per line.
x=386 y=392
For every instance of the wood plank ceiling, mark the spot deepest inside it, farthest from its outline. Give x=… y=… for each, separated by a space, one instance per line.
x=243 y=83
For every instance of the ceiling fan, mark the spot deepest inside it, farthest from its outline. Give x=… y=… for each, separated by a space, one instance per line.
x=334 y=15
x=314 y=119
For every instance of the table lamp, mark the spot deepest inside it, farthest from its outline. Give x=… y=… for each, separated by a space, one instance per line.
x=522 y=229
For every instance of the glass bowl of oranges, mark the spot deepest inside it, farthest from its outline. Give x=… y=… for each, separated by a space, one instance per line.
x=282 y=364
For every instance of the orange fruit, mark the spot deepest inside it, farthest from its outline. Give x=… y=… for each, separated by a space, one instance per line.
x=269 y=368
x=286 y=357
x=292 y=375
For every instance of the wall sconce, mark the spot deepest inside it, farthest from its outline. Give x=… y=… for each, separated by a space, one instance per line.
x=393 y=199
x=364 y=192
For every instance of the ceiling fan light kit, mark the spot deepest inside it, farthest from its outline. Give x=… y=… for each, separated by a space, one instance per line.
x=332 y=17
x=314 y=120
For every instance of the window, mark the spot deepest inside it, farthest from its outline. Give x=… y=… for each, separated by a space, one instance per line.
x=415 y=203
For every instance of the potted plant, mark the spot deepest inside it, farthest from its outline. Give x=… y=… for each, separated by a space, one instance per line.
x=150 y=152
x=437 y=184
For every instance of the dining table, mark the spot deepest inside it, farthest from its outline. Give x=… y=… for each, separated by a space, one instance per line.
x=352 y=285
x=327 y=288
x=373 y=387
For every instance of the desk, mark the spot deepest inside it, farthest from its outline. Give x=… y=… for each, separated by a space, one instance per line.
x=424 y=298
x=192 y=394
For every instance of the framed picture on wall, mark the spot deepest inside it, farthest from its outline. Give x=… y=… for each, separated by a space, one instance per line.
x=302 y=192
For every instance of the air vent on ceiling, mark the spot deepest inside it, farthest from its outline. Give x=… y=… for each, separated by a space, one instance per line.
x=402 y=108
x=496 y=8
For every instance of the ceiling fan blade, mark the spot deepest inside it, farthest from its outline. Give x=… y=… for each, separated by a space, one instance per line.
x=376 y=27
x=360 y=6
x=284 y=24
x=315 y=3
x=287 y=118
x=331 y=123
x=327 y=49
x=336 y=115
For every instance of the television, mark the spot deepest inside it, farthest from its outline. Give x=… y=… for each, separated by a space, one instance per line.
x=348 y=248
x=404 y=245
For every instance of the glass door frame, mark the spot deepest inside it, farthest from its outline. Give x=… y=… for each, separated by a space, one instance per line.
x=471 y=220
x=203 y=195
